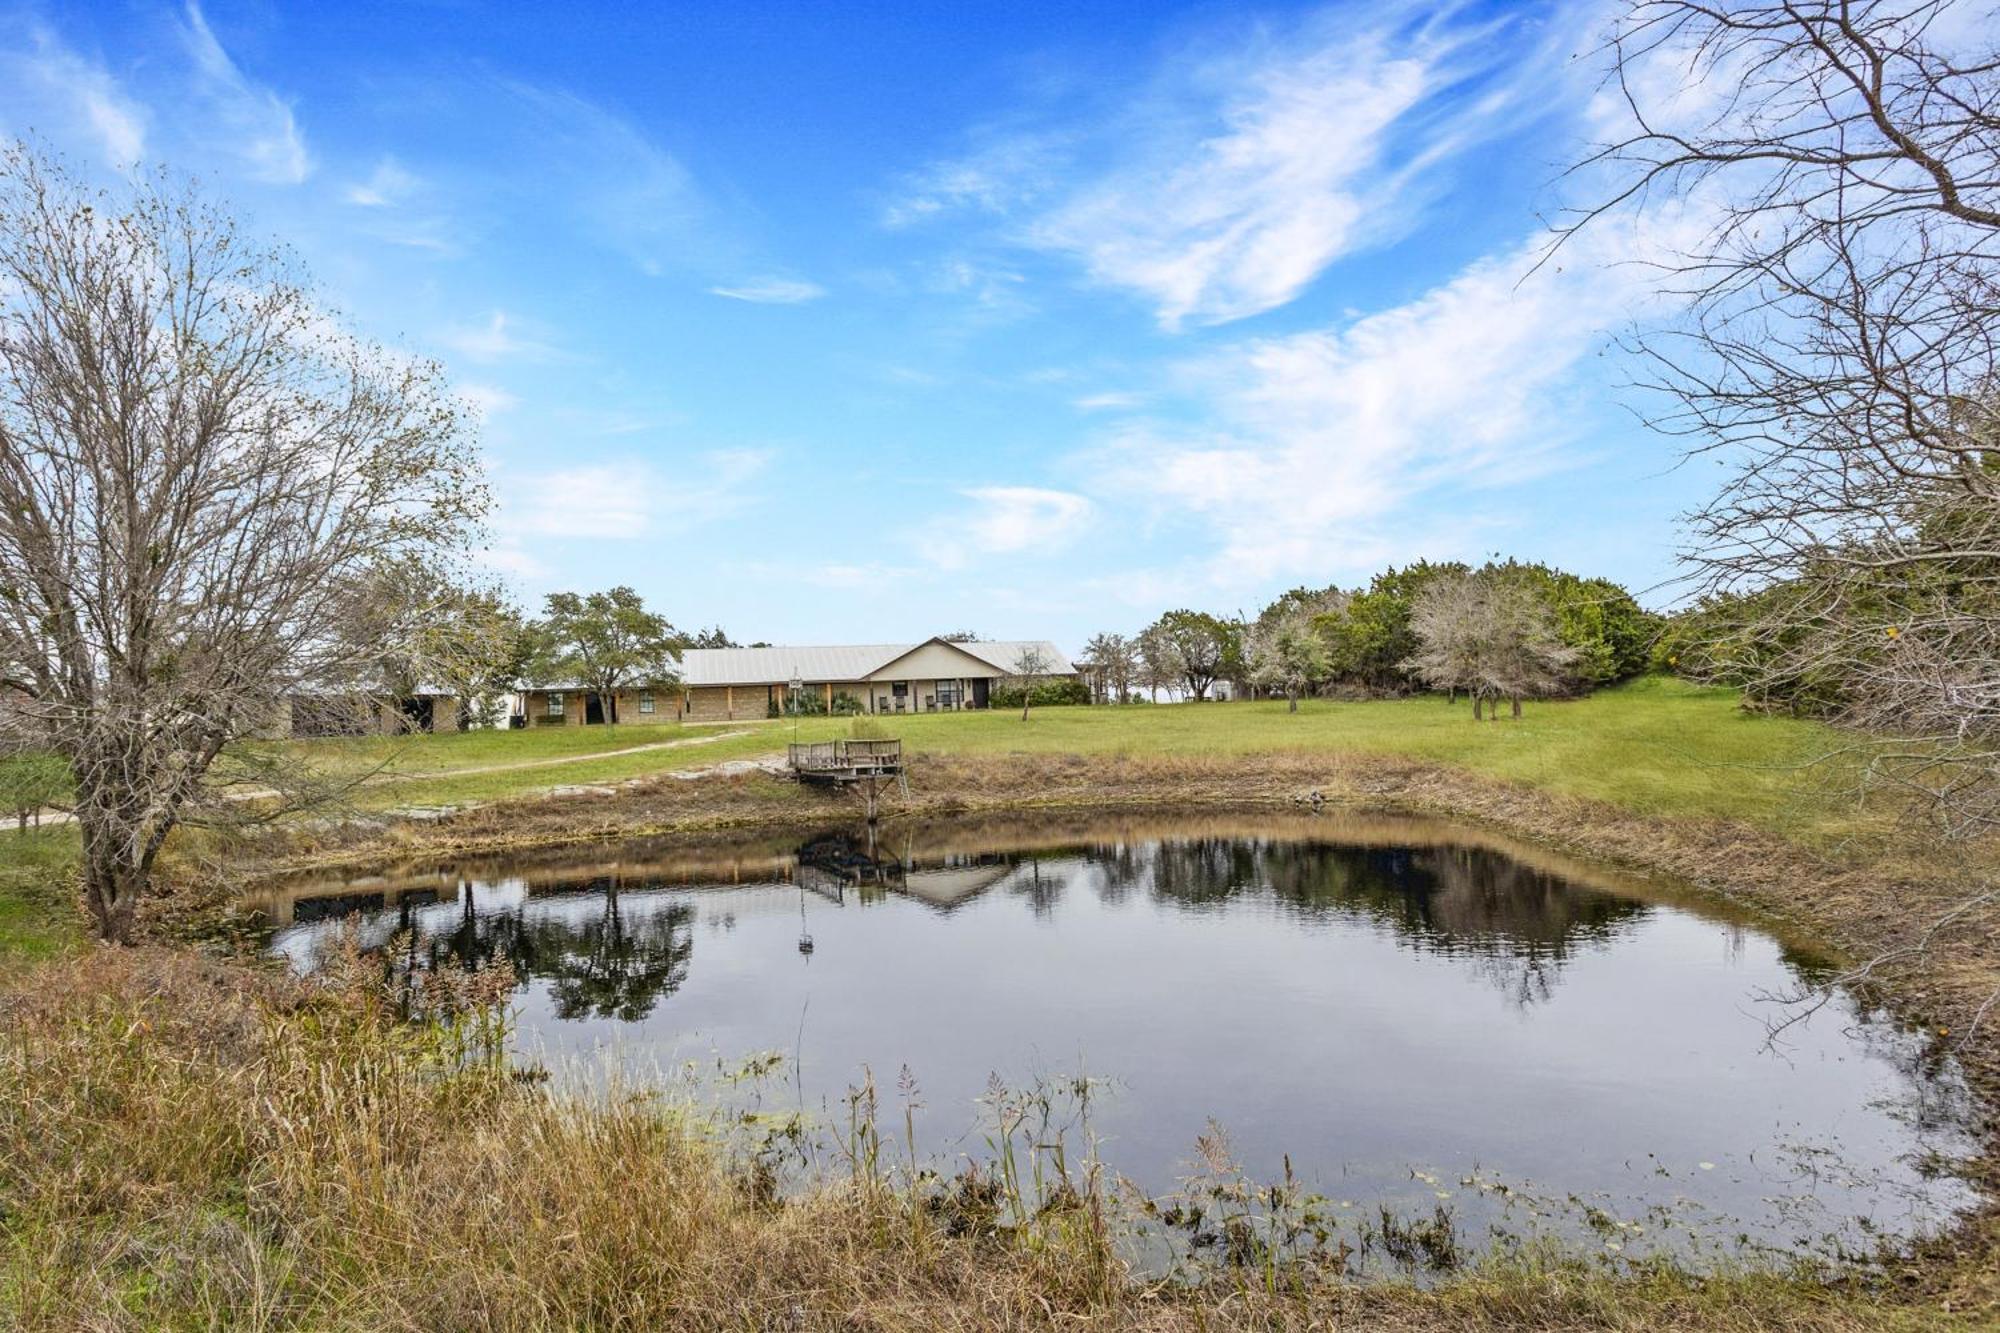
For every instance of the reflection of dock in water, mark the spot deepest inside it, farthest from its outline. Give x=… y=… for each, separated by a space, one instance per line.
x=840 y=859
x=303 y=909
x=951 y=885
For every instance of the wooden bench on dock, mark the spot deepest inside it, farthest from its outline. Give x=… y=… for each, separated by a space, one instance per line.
x=846 y=761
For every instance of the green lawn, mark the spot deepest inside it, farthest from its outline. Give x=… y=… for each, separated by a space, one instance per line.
x=448 y=769
x=37 y=916
x=1655 y=746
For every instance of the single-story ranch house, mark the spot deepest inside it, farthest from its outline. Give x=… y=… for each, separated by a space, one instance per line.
x=726 y=684
x=431 y=708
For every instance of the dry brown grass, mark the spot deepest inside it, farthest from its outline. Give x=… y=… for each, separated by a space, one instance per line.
x=191 y=1143
x=198 y=1143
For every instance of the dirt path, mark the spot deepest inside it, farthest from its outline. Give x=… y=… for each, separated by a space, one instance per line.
x=46 y=818
x=519 y=764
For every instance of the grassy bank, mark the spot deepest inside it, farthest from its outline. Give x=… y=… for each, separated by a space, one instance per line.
x=187 y=1145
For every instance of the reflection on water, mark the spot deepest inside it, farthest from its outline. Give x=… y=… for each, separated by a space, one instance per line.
x=1371 y=997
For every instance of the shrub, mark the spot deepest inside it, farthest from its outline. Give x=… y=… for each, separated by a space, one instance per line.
x=1048 y=694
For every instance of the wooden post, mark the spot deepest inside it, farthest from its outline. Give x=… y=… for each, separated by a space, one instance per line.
x=729 y=701
x=829 y=697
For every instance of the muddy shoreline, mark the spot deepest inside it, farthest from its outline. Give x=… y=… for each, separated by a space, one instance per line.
x=1860 y=903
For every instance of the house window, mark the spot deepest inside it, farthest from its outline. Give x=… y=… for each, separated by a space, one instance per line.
x=948 y=694
x=555 y=703
x=645 y=701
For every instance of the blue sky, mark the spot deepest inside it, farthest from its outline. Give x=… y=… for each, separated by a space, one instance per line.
x=867 y=322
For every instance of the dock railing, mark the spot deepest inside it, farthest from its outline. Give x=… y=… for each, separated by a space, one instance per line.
x=846 y=756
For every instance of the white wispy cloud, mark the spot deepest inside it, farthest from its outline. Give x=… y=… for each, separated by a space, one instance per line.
x=51 y=87
x=1229 y=183
x=1322 y=450
x=771 y=291
x=627 y=498
x=389 y=184
x=501 y=337
x=255 y=123
x=1010 y=520
x=611 y=501
x=486 y=399
x=996 y=292
x=625 y=190
x=1010 y=170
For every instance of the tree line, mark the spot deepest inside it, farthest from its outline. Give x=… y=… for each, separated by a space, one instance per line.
x=1500 y=631
x=470 y=642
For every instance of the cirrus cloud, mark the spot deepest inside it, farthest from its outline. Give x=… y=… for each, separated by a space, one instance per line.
x=770 y=291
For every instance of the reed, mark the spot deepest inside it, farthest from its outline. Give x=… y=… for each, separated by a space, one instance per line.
x=187 y=1142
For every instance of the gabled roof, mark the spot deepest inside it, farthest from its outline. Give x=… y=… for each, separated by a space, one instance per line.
x=841 y=662
x=772 y=666
x=830 y=662
x=1002 y=654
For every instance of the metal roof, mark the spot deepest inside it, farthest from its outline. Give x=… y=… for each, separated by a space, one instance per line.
x=829 y=663
x=838 y=662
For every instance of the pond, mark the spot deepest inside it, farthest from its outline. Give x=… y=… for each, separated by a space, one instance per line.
x=1403 y=1011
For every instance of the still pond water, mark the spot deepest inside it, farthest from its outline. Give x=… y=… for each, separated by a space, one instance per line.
x=1397 y=1006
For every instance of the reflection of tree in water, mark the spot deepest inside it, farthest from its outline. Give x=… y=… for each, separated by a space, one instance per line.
x=614 y=963
x=1517 y=924
x=1042 y=888
x=1121 y=868
x=1204 y=871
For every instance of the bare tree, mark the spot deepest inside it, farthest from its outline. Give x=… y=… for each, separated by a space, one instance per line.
x=1450 y=621
x=1285 y=649
x=1838 y=355
x=1032 y=665
x=1492 y=635
x=1839 y=350
x=431 y=632
x=1114 y=664
x=1285 y=652
x=196 y=469
x=1159 y=660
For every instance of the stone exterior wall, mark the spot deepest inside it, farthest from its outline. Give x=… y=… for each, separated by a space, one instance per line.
x=576 y=707
x=738 y=703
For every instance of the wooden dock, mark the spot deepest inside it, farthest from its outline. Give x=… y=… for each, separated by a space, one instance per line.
x=846 y=761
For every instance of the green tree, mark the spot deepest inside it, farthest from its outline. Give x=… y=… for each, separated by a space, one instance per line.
x=480 y=650
x=1369 y=642
x=1199 y=647
x=606 y=642
x=1612 y=634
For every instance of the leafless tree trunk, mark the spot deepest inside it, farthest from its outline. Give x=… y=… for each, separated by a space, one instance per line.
x=196 y=473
